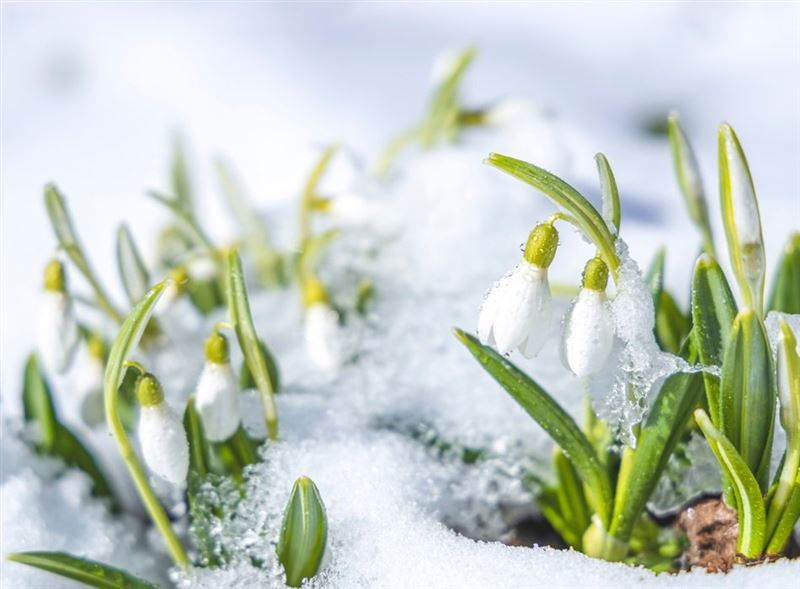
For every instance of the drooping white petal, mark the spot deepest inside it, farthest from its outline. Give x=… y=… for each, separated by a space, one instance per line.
x=524 y=300
x=488 y=311
x=164 y=445
x=540 y=321
x=90 y=390
x=57 y=331
x=217 y=401
x=322 y=337
x=588 y=335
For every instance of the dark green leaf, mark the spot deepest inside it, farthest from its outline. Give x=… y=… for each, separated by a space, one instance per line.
x=713 y=312
x=552 y=418
x=785 y=294
x=748 y=394
x=672 y=326
x=749 y=503
x=37 y=403
x=83 y=570
x=664 y=426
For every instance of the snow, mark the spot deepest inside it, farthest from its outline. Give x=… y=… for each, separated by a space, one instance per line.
x=385 y=437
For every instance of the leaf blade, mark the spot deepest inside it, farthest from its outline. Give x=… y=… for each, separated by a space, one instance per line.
x=84 y=570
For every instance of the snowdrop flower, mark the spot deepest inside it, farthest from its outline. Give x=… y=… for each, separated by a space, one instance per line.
x=322 y=335
x=217 y=397
x=589 y=327
x=511 y=111
x=161 y=434
x=352 y=209
x=90 y=382
x=202 y=269
x=57 y=329
x=518 y=310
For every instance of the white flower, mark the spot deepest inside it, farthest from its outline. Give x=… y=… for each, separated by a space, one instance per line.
x=57 y=330
x=163 y=440
x=322 y=336
x=202 y=269
x=517 y=312
x=511 y=111
x=217 y=401
x=352 y=209
x=90 y=389
x=588 y=333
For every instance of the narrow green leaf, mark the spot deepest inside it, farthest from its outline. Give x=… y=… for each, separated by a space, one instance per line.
x=132 y=269
x=549 y=505
x=246 y=380
x=68 y=240
x=242 y=320
x=179 y=176
x=672 y=326
x=441 y=122
x=37 y=403
x=713 y=312
x=570 y=496
x=690 y=182
x=785 y=294
x=70 y=449
x=565 y=196
x=664 y=425
x=788 y=521
x=198 y=446
x=552 y=418
x=654 y=277
x=741 y=218
x=748 y=394
x=304 y=533
x=749 y=502
x=86 y=571
x=612 y=211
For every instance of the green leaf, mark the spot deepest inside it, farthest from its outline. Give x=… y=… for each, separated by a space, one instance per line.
x=86 y=571
x=304 y=533
x=571 y=498
x=654 y=277
x=55 y=439
x=565 y=196
x=690 y=181
x=313 y=248
x=205 y=295
x=37 y=403
x=741 y=219
x=179 y=176
x=242 y=321
x=69 y=242
x=664 y=425
x=785 y=294
x=70 y=449
x=787 y=522
x=246 y=380
x=198 y=446
x=441 y=122
x=612 y=211
x=713 y=312
x=132 y=270
x=748 y=394
x=672 y=326
x=749 y=502
x=552 y=418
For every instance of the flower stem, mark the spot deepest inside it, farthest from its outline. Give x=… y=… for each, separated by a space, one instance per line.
x=139 y=477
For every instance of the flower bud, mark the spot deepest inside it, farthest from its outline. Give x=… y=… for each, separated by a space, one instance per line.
x=161 y=434
x=217 y=398
x=588 y=335
x=57 y=327
x=304 y=533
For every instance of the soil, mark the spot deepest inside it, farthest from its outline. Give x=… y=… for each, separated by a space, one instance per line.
x=711 y=528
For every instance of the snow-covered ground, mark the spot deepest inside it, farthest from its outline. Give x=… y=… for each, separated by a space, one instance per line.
x=89 y=93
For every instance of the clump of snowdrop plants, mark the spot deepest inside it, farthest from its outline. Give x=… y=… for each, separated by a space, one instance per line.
x=721 y=369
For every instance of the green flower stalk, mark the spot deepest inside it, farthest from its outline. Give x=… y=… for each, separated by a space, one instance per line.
x=129 y=335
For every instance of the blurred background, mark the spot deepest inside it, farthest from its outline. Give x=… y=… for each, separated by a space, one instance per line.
x=92 y=94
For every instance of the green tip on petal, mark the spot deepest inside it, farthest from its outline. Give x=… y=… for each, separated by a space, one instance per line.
x=541 y=246
x=595 y=275
x=148 y=391
x=55 y=279
x=217 y=349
